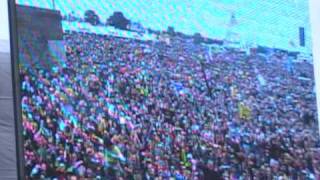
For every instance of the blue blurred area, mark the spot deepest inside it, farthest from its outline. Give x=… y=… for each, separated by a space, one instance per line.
x=272 y=23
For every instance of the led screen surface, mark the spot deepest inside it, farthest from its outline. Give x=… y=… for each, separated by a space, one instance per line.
x=167 y=89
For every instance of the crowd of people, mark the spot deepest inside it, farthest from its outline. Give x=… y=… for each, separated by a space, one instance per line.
x=123 y=108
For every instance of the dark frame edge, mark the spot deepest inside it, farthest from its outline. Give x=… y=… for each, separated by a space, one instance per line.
x=14 y=53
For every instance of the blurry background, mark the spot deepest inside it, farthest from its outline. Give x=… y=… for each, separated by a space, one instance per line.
x=271 y=23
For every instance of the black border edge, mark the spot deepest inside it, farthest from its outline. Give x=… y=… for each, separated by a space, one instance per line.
x=14 y=53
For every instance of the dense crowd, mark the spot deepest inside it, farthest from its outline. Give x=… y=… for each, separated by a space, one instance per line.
x=128 y=109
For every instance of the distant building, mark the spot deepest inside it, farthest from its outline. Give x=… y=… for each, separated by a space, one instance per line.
x=164 y=37
x=136 y=27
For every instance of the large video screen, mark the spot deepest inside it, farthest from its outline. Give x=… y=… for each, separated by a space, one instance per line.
x=179 y=89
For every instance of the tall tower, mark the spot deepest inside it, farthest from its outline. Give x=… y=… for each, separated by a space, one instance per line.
x=53 y=4
x=232 y=35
